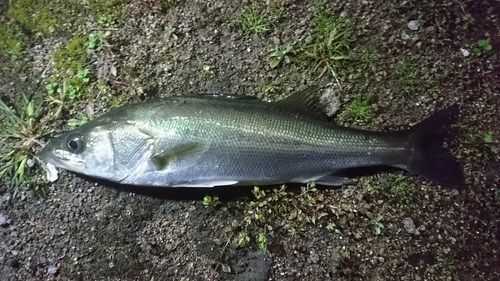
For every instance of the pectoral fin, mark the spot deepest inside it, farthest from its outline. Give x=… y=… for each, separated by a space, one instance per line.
x=180 y=156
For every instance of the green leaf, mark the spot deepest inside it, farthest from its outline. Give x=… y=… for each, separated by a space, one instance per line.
x=274 y=63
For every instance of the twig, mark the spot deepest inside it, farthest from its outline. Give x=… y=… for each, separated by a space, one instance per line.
x=221 y=255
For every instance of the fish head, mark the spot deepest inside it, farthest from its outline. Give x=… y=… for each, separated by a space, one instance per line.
x=90 y=150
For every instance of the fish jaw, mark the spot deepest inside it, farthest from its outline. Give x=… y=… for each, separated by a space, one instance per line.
x=61 y=158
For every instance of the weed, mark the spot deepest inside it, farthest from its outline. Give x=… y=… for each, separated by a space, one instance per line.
x=19 y=132
x=72 y=266
x=110 y=255
x=397 y=185
x=262 y=241
x=96 y=41
x=483 y=47
x=253 y=21
x=12 y=40
x=170 y=32
x=209 y=201
x=360 y=109
x=106 y=20
x=280 y=54
x=82 y=119
x=331 y=40
x=243 y=240
x=83 y=75
x=376 y=222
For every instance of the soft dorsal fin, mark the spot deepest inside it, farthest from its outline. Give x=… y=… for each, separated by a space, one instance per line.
x=307 y=99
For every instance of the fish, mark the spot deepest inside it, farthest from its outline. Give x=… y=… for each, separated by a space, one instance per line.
x=208 y=140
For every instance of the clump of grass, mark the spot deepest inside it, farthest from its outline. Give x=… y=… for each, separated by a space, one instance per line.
x=360 y=109
x=332 y=37
x=483 y=47
x=280 y=54
x=19 y=132
x=254 y=21
x=397 y=186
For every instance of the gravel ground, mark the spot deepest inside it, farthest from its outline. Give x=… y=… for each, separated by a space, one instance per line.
x=422 y=56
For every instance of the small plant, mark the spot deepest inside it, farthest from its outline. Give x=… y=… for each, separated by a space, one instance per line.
x=280 y=54
x=331 y=41
x=262 y=241
x=243 y=239
x=106 y=20
x=170 y=32
x=96 y=41
x=19 y=132
x=209 y=201
x=359 y=109
x=14 y=50
x=258 y=193
x=110 y=255
x=83 y=75
x=73 y=264
x=255 y=22
x=376 y=222
x=75 y=122
x=483 y=47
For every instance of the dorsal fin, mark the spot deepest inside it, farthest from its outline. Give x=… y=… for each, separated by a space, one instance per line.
x=307 y=100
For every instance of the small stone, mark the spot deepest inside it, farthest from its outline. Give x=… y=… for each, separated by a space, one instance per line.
x=446 y=251
x=464 y=52
x=3 y=220
x=52 y=270
x=405 y=36
x=409 y=226
x=413 y=25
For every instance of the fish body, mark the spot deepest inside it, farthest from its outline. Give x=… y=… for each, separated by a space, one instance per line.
x=209 y=140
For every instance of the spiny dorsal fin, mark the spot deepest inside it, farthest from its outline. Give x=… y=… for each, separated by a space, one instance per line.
x=307 y=99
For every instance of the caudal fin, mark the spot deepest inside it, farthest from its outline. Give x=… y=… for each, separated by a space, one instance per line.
x=431 y=159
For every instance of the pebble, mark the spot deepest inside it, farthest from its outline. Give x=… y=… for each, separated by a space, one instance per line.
x=413 y=25
x=52 y=270
x=464 y=52
x=3 y=220
x=409 y=226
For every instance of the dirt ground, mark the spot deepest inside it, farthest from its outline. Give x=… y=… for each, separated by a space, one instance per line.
x=410 y=58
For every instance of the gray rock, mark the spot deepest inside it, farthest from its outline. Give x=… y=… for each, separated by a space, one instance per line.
x=413 y=25
x=4 y=220
x=52 y=270
x=465 y=53
x=409 y=226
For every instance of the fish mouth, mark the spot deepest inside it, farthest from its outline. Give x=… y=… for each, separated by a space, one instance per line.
x=61 y=159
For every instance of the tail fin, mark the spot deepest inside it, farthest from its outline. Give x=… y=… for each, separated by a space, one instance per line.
x=430 y=159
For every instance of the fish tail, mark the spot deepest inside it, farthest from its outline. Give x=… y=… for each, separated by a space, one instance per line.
x=431 y=159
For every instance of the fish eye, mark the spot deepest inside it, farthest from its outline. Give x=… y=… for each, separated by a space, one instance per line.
x=75 y=143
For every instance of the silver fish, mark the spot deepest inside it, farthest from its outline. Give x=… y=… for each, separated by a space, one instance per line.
x=210 y=140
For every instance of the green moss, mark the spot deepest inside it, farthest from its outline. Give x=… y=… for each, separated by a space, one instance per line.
x=34 y=15
x=73 y=56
